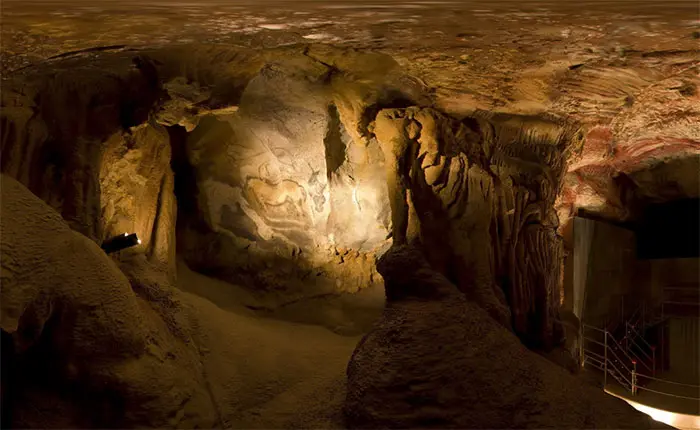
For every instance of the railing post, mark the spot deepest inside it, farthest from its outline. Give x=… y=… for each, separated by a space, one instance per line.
x=653 y=360
x=634 y=378
x=580 y=343
x=605 y=361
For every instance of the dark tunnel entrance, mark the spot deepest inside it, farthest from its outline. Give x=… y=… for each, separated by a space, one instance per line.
x=669 y=230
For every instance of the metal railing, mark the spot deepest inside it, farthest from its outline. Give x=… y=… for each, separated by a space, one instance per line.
x=644 y=353
x=613 y=361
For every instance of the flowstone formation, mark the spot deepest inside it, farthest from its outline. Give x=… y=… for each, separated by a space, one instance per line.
x=477 y=197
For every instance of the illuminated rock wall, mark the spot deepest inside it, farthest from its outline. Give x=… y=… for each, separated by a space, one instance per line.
x=477 y=195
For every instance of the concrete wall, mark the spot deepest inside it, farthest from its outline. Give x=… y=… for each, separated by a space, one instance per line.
x=684 y=348
x=604 y=261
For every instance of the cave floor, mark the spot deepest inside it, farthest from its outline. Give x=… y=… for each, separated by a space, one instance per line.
x=276 y=373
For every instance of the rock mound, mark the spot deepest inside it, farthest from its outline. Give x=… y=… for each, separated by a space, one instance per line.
x=440 y=361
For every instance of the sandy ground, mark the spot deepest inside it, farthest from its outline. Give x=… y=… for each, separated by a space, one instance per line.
x=344 y=314
x=278 y=374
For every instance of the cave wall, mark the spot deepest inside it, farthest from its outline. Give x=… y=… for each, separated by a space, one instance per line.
x=273 y=189
x=82 y=142
x=290 y=194
x=137 y=191
x=477 y=196
x=303 y=163
x=55 y=128
x=684 y=348
x=91 y=349
x=660 y=274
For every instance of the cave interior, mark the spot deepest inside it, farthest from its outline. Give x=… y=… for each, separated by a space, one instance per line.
x=317 y=235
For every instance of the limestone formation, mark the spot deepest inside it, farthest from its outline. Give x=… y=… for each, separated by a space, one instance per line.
x=91 y=352
x=436 y=360
x=477 y=195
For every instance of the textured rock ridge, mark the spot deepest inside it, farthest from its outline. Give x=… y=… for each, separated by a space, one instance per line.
x=477 y=195
x=91 y=352
x=437 y=360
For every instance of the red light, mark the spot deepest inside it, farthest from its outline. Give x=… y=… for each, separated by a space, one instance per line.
x=653 y=347
x=634 y=361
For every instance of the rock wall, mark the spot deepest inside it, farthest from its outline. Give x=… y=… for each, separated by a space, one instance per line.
x=477 y=196
x=91 y=350
x=289 y=192
x=84 y=346
x=81 y=140
x=281 y=162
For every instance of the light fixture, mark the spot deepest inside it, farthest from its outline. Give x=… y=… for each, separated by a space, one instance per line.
x=117 y=243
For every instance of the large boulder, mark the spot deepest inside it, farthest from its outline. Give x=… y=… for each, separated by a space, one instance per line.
x=89 y=351
x=437 y=360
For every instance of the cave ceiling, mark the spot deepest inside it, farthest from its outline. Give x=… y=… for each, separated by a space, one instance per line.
x=627 y=71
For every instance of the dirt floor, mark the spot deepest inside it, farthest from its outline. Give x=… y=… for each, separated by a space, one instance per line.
x=290 y=375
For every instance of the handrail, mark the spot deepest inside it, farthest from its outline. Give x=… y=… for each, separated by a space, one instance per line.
x=613 y=365
x=607 y=333
x=634 y=314
x=594 y=328
x=668 y=382
x=644 y=353
x=638 y=359
x=618 y=345
x=620 y=361
x=610 y=363
x=668 y=394
x=594 y=341
x=634 y=341
x=681 y=303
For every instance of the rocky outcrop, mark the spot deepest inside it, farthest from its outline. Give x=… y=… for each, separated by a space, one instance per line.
x=437 y=360
x=287 y=192
x=477 y=196
x=89 y=351
x=55 y=127
x=273 y=194
x=644 y=151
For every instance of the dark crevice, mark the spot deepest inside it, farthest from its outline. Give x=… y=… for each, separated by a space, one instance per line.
x=186 y=190
x=333 y=142
x=392 y=99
